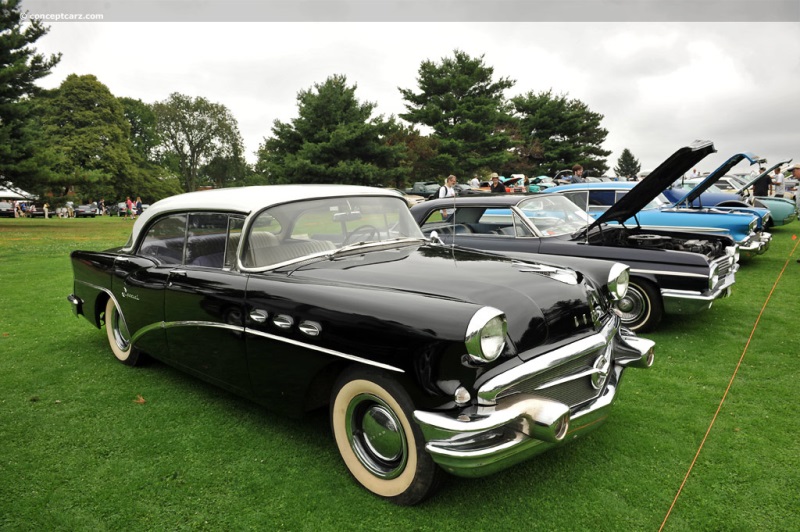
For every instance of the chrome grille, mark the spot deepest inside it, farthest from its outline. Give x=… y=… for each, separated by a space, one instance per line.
x=724 y=265
x=571 y=392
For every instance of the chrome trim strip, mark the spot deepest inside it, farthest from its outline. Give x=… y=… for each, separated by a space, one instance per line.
x=324 y=350
x=235 y=328
x=674 y=274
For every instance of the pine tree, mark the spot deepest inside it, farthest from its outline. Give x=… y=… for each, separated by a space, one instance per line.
x=627 y=165
x=467 y=111
x=334 y=139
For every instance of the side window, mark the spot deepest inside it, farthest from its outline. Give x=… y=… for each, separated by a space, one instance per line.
x=581 y=199
x=206 y=239
x=264 y=234
x=601 y=198
x=164 y=241
x=235 y=225
x=619 y=195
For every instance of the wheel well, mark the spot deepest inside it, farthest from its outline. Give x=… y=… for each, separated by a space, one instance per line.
x=100 y=309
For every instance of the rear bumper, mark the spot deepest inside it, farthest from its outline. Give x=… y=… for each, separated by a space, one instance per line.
x=486 y=439
x=77 y=304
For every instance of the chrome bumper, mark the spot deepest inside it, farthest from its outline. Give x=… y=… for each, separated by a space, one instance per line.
x=482 y=440
x=690 y=302
x=756 y=245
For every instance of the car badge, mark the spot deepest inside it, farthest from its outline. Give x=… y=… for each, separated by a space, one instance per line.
x=602 y=367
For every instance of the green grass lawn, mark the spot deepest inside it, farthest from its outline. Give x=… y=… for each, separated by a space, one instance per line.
x=79 y=451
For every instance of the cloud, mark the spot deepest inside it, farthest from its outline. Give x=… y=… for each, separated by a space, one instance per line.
x=660 y=85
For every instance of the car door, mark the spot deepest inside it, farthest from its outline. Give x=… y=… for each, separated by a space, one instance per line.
x=203 y=302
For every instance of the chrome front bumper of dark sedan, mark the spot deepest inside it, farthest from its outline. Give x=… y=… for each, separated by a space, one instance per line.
x=520 y=424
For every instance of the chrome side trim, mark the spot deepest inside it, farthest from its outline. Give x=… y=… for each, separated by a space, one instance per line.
x=666 y=272
x=324 y=350
x=112 y=297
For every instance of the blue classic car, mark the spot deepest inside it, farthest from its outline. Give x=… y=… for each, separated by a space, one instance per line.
x=701 y=193
x=659 y=213
x=306 y=296
x=737 y=191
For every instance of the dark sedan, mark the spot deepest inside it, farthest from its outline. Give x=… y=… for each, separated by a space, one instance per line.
x=301 y=297
x=671 y=271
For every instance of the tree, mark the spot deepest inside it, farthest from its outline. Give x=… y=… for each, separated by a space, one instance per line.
x=557 y=133
x=150 y=176
x=334 y=139
x=419 y=151
x=627 y=165
x=20 y=68
x=82 y=142
x=466 y=110
x=193 y=132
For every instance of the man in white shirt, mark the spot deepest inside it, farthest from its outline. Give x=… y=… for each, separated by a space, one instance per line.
x=777 y=180
x=447 y=191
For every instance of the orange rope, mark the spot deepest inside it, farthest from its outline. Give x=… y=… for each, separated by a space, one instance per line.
x=730 y=383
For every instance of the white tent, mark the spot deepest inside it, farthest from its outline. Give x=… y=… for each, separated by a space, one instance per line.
x=8 y=194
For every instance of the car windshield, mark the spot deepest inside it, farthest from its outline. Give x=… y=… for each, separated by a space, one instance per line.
x=318 y=227
x=554 y=215
x=689 y=184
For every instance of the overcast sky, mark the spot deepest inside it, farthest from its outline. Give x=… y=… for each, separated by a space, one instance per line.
x=659 y=84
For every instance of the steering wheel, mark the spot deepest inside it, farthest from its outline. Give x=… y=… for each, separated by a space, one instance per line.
x=370 y=232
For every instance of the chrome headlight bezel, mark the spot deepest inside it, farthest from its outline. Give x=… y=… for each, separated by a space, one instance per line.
x=485 y=338
x=619 y=277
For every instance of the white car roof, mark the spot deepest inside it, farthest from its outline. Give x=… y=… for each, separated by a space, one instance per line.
x=248 y=199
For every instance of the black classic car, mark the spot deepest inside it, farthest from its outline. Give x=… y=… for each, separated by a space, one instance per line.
x=671 y=271
x=302 y=296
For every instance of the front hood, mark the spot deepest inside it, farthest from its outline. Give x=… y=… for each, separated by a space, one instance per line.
x=656 y=182
x=714 y=176
x=542 y=302
x=768 y=171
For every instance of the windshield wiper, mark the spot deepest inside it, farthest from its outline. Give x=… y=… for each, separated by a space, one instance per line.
x=359 y=247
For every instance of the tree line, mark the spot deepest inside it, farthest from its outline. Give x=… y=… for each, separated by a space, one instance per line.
x=80 y=139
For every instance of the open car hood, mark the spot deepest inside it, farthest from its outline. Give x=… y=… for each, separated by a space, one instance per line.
x=656 y=182
x=714 y=176
x=762 y=174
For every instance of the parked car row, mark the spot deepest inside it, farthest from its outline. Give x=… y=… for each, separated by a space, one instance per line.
x=462 y=344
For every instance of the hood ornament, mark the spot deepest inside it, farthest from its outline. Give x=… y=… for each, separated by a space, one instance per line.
x=559 y=274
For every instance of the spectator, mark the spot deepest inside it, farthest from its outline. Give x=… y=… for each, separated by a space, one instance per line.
x=46 y=209
x=577 y=174
x=128 y=208
x=777 y=180
x=761 y=186
x=497 y=187
x=139 y=208
x=447 y=191
x=475 y=183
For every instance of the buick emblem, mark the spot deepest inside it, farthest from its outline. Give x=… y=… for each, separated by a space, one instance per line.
x=601 y=367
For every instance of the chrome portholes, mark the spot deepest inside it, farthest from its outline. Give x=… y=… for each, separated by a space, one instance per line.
x=282 y=321
x=310 y=328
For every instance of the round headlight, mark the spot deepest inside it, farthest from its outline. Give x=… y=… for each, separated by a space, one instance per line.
x=618 y=280
x=486 y=334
